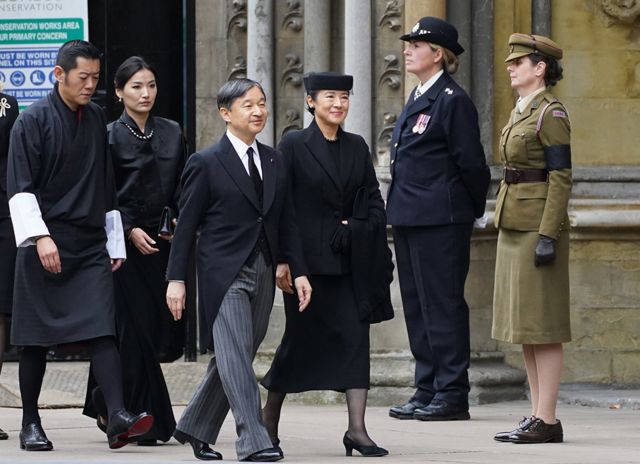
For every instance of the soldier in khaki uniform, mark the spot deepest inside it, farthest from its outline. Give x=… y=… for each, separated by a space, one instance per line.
x=531 y=296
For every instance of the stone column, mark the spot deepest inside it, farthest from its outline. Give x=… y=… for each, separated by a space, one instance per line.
x=260 y=46
x=482 y=70
x=541 y=17
x=317 y=32
x=413 y=11
x=459 y=14
x=357 y=62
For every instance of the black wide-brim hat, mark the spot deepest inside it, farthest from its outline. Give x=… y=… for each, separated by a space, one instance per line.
x=327 y=81
x=435 y=31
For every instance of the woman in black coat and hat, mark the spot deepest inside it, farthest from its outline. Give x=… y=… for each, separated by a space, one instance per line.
x=341 y=218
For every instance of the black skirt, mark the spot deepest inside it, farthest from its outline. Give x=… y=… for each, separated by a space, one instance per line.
x=77 y=304
x=147 y=335
x=326 y=347
x=7 y=265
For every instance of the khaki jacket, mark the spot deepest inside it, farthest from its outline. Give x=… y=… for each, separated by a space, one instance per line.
x=535 y=206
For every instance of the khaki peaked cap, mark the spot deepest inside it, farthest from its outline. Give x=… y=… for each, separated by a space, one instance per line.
x=525 y=44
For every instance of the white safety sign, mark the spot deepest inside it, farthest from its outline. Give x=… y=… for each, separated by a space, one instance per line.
x=31 y=31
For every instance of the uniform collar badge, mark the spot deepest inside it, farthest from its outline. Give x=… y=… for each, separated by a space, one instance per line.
x=448 y=91
x=421 y=124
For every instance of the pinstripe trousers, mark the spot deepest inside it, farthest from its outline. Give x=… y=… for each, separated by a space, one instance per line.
x=230 y=382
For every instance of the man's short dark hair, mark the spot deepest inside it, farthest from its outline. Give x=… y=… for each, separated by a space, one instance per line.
x=70 y=51
x=234 y=89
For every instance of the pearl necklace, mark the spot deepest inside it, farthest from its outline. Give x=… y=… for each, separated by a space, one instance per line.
x=136 y=133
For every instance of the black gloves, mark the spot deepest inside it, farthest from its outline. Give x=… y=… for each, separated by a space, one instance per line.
x=341 y=240
x=545 y=251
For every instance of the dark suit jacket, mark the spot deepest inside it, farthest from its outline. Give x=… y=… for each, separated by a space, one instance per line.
x=440 y=176
x=218 y=199
x=324 y=194
x=9 y=117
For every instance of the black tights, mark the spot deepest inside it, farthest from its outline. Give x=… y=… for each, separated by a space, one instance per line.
x=356 y=406
x=106 y=369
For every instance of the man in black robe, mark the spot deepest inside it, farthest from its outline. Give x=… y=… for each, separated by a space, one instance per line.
x=69 y=238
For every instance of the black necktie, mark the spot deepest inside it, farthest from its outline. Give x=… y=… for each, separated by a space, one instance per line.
x=254 y=174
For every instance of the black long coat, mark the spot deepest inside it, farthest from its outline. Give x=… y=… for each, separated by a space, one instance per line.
x=8 y=115
x=326 y=347
x=324 y=195
x=439 y=176
x=218 y=199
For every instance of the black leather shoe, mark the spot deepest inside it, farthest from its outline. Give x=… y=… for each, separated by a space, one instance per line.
x=439 y=410
x=124 y=425
x=33 y=438
x=538 y=431
x=201 y=450
x=406 y=410
x=3 y=435
x=522 y=425
x=370 y=451
x=266 y=455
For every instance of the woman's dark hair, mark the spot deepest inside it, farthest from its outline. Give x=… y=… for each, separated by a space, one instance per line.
x=313 y=94
x=128 y=68
x=70 y=51
x=234 y=89
x=553 y=73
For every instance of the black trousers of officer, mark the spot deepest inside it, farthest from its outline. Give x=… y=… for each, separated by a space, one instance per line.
x=433 y=262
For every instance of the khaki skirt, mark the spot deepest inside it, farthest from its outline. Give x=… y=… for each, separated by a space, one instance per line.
x=530 y=304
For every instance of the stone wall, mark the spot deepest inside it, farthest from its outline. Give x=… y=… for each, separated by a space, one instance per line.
x=601 y=90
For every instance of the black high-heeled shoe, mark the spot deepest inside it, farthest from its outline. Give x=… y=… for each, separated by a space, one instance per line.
x=370 y=451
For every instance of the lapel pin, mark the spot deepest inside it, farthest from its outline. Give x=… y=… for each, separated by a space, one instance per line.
x=448 y=91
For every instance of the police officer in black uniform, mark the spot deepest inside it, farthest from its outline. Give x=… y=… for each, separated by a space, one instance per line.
x=439 y=186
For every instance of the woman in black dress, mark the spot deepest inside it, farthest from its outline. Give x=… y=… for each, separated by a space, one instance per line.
x=8 y=115
x=148 y=155
x=326 y=347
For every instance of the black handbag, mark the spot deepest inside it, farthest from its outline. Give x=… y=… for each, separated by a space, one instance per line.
x=167 y=227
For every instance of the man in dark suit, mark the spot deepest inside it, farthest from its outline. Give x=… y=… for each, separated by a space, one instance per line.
x=439 y=186
x=236 y=194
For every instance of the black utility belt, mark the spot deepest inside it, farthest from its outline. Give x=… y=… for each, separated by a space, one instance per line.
x=517 y=176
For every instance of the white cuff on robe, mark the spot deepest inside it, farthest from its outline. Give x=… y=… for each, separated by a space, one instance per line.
x=26 y=218
x=115 y=235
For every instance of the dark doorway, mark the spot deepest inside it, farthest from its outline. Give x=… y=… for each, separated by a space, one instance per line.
x=161 y=31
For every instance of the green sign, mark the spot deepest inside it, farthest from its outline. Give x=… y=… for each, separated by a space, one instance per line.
x=43 y=31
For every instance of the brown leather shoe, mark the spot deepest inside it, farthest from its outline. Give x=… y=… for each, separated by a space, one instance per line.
x=523 y=424
x=538 y=431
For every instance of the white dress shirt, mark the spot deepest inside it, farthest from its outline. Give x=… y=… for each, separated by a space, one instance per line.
x=241 y=149
x=422 y=88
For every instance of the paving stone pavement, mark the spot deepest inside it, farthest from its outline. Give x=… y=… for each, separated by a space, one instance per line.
x=313 y=434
